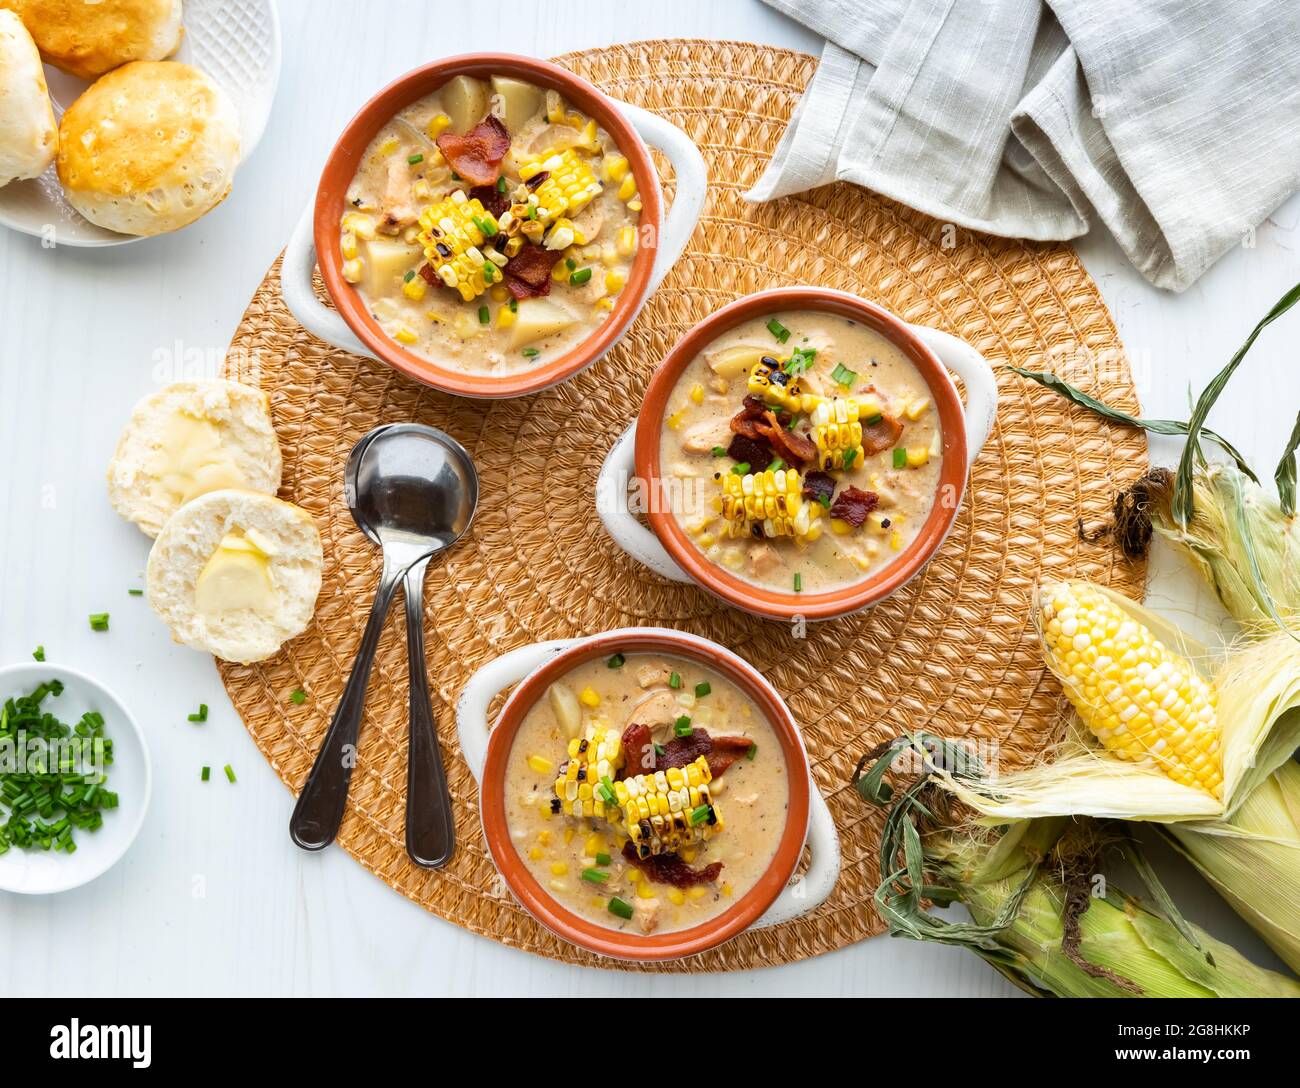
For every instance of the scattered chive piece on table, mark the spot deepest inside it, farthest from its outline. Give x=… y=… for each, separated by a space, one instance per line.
x=99 y=621
x=416 y=159
x=580 y=277
x=136 y=592
x=842 y=375
x=682 y=726
x=202 y=715
x=702 y=689
x=230 y=772
x=674 y=679
x=753 y=751
x=719 y=451
x=595 y=876
x=602 y=859
x=47 y=805
x=38 y=654
x=900 y=457
x=798 y=582
x=617 y=906
x=298 y=697
x=616 y=662
x=205 y=774
x=778 y=330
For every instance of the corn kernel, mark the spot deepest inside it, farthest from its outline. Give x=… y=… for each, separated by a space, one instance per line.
x=814 y=531
x=348 y=245
x=674 y=421
x=363 y=226
x=615 y=278
x=568 y=832
x=500 y=293
x=688 y=855
x=625 y=242
x=697 y=892
x=388 y=146
x=634 y=205
x=559 y=886
x=589 y=697
x=676 y=896
x=707 y=539
x=536 y=853
x=544 y=836
x=726 y=889
x=616 y=167
x=593 y=846
x=697 y=393
x=541 y=764
x=438 y=124
x=559 y=868
x=896 y=540
x=917 y=456
x=505 y=317
x=414 y=288
x=605 y=304
x=405 y=336
x=560 y=273
x=627 y=190
x=916 y=409
x=840 y=527
x=645 y=891
x=352 y=270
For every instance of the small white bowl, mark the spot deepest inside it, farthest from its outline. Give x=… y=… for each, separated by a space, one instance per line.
x=39 y=872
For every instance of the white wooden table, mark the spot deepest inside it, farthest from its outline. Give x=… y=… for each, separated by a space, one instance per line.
x=213 y=899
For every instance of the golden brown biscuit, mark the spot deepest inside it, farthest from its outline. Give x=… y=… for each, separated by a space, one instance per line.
x=91 y=37
x=28 y=138
x=149 y=148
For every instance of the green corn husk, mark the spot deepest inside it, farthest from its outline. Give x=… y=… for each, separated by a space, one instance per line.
x=1031 y=891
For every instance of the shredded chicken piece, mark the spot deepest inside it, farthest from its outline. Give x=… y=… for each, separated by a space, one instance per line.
x=649 y=676
x=762 y=559
x=646 y=914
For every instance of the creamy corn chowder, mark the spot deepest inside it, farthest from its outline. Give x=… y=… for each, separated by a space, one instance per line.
x=646 y=792
x=801 y=451
x=490 y=227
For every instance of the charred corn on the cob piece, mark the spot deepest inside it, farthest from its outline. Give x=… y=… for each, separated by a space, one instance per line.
x=772 y=499
x=569 y=186
x=451 y=233
x=669 y=809
x=1140 y=699
x=585 y=786
x=768 y=380
x=837 y=430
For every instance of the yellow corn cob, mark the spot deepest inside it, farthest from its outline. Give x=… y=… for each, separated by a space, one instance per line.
x=569 y=186
x=669 y=809
x=585 y=785
x=1141 y=700
x=771 y=499
x=451 y=233
x=837 y=431
x=775 y=386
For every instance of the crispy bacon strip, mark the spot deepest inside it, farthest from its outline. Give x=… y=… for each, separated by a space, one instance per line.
x=528 y=272
x=487 y=195
x=853 y=505
x=818 y=486
x=796 y=449
x=639 y=751
x=671 y=869
x=881 y=435
x=429 y=275
x=752 y=451
x=641 y=758
x=477 y=155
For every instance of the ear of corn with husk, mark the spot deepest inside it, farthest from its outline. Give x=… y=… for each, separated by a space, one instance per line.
x=1039 y=913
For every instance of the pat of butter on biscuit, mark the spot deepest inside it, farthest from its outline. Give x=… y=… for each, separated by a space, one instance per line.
x=238 y=575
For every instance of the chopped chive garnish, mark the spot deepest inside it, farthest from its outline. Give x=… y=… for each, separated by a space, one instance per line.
x=501 y=184
x=659 y=750
x=99 y=621
x=798 y=582
x=825 y=500
x=489 y=272
x=778 y=330
x=528 y=353
x=616 y=662
x=900 y=457
x=570 y=263
x=777 y=465
x=38 y=654
x=514 y=305
x=842 y=375
x=602 y=859
x=205 y=774
x=230 y=772
x=580 y=277
x=800 y=361
x=849 y=457
x=753 y=751
x=606 y=791
x=595 y=876
x=874 y=418
x=674 y=679
x=532 y=211
x=682 y=726
x=699 y=815
x=617 y=906
x=416 y=159
x=409 y=276
x=719 y=451
x=702 y=689
x=484 y=315
x=741 y=468
x=202 y=715
x=297 y=697
x=136 y=592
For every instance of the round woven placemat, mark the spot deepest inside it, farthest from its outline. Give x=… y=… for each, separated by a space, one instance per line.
x=952 y=652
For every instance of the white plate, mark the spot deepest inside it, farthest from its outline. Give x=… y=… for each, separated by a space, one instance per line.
x=237 y=42
x=37 y=872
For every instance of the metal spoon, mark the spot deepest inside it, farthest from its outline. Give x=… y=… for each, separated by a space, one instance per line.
x=412 y=490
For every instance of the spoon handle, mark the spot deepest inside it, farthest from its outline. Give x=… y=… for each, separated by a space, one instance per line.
x=319 y=811
x=430 y=827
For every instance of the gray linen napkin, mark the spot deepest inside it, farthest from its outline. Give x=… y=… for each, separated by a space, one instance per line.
x=1175 y=122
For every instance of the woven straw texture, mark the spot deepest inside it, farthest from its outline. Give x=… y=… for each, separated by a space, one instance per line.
x=952 y=653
